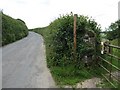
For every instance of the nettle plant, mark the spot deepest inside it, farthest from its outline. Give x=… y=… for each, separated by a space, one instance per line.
x=62 y=36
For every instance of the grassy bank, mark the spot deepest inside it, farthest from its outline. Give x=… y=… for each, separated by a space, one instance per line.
x=12 y=29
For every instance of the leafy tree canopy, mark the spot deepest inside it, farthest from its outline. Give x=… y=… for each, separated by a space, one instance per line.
x=113 y=32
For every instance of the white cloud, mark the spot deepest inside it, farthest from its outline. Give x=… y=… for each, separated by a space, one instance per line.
x=39 y=13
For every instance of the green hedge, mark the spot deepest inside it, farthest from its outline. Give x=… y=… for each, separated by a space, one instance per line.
x=12 y=29
x=58 y=38
x=61 y=31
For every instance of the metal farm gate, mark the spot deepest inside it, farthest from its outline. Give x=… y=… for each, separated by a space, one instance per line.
x=107 y=56
x=109 y=60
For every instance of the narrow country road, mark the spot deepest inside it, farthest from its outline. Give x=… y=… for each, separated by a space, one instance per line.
x=24 y=64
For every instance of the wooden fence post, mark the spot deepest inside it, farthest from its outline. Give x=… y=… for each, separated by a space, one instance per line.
x=110 y=51
x=75 y=19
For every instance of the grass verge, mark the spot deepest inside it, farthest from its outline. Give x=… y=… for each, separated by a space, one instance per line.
x=66 y=75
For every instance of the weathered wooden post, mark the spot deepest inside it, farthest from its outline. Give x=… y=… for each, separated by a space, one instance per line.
x=110 y=51
x=75 y=19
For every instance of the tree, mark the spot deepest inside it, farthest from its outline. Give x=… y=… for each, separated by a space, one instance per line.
x=113 y=32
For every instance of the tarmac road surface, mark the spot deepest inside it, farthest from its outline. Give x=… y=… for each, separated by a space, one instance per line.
x=24 y=64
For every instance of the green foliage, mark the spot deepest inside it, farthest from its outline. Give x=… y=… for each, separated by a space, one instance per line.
x=62 y=39
x=58 y=38
x=113 y=32
x=105 y=84
x=66 y=75
x=21 y=20
x=12 y=29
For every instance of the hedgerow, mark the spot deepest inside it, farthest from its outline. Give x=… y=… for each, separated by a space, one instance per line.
x=58 y=38
x=61 y=35
x=12 y=29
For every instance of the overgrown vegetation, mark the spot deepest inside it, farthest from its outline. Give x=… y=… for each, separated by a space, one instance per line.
x=58 y=38
x=61 y=31
x=59 y=49
x=12 y=29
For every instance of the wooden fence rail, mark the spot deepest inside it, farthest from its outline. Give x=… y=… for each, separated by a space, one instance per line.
x=109 y=62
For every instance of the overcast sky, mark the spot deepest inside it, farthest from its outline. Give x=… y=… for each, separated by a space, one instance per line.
x=39 y=13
